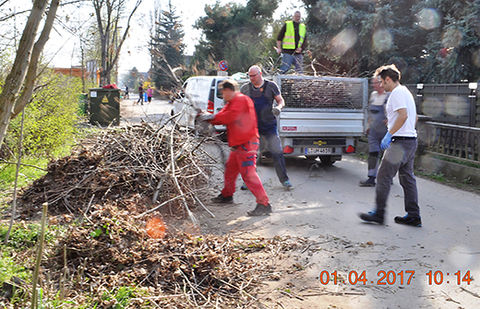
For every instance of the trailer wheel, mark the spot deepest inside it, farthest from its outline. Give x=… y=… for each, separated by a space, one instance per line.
x=327 y=160
x=260 y=159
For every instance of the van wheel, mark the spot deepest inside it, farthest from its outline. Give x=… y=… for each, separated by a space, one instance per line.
x=327 y=160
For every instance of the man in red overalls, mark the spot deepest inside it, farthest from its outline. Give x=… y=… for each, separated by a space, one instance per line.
x=241 y=120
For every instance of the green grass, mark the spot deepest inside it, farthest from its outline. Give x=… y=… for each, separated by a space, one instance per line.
x=23 y=235
x=122 y=295
x=10 y=267
x=26 y=174
x=18 y=256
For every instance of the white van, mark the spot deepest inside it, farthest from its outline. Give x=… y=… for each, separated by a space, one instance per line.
x=199 y=93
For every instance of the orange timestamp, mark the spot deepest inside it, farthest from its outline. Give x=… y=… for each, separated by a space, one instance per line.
x=383 y=277
x=390 y=277
x=439 y=277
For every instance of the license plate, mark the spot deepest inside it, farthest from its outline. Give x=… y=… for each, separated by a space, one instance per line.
x=318 y=151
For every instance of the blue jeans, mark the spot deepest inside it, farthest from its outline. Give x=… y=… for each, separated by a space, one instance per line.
x=288 y=60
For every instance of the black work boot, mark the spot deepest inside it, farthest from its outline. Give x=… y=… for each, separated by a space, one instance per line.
x=260 y=210
x=372 y=216
x=370 y=182
x=409 y=220
x=223 y=199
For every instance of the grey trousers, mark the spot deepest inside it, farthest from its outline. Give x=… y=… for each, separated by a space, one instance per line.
x=398 y=158
x=272 y=143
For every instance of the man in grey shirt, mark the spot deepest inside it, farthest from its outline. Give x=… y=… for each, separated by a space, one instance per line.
x=264 y=93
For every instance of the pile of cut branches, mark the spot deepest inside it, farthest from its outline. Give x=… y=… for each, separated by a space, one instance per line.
x=111 y=186
x=161 y=166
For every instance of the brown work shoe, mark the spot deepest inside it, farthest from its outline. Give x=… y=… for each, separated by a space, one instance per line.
x=220 y=199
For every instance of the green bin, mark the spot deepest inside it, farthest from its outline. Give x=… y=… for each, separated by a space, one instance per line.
x=104 y=106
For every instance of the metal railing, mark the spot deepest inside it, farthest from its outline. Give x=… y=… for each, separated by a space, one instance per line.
x=453 y=140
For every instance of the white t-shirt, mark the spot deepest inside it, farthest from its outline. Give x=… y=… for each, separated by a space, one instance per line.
x=400 y=98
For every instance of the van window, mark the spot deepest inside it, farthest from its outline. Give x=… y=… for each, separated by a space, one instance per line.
x=219 y=92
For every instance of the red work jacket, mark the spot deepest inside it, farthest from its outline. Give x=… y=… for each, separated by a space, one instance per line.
x=240 y=118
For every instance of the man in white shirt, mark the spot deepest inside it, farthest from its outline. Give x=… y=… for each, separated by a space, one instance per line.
x=400 y=144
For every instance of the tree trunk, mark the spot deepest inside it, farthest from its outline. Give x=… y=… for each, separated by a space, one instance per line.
x=82 y=50
x=15 y=78
x=37 y=51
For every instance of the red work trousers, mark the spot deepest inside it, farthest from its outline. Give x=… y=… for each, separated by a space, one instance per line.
x=243 y=160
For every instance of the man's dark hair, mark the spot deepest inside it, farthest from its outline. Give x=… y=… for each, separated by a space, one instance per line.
x=388 y=71
x=229 y=84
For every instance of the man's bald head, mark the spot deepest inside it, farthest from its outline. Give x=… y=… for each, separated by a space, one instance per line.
x=255 y=75
x=254 y=69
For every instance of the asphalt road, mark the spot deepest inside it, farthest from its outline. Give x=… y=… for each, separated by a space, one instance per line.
x=323 y=207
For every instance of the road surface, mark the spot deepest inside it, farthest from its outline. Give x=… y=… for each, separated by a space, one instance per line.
x=323 y=208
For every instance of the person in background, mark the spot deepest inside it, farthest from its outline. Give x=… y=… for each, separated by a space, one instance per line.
x=291 y=43
x=140 y=95
x=400 y=144
x=149 y=94
x=264 y=93
x=126 y=92
x=239 y=116
x=377 y=128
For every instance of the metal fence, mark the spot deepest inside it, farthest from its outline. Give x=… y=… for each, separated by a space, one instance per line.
x=452 y=140
x=323 y=92
x=457 y=104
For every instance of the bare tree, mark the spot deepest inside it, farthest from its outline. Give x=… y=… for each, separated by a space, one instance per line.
x=19 y=83
x=109 y=14
x=37 y=51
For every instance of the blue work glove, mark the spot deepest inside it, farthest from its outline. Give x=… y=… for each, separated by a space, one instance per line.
x=387 y=139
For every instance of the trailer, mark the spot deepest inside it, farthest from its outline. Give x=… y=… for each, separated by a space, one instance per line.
x=323 y=116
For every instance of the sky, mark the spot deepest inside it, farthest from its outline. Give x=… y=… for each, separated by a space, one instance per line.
x=62 y=50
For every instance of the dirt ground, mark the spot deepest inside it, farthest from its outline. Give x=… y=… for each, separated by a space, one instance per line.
x=323 y=209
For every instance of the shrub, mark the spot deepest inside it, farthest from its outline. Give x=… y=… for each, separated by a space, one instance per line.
x=50 y=117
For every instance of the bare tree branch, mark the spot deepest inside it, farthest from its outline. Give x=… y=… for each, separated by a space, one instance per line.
x=125 y=34
x=4 y=18
x=36 y=52
x=3 y=3
x=108 y=31
x=16 y=77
